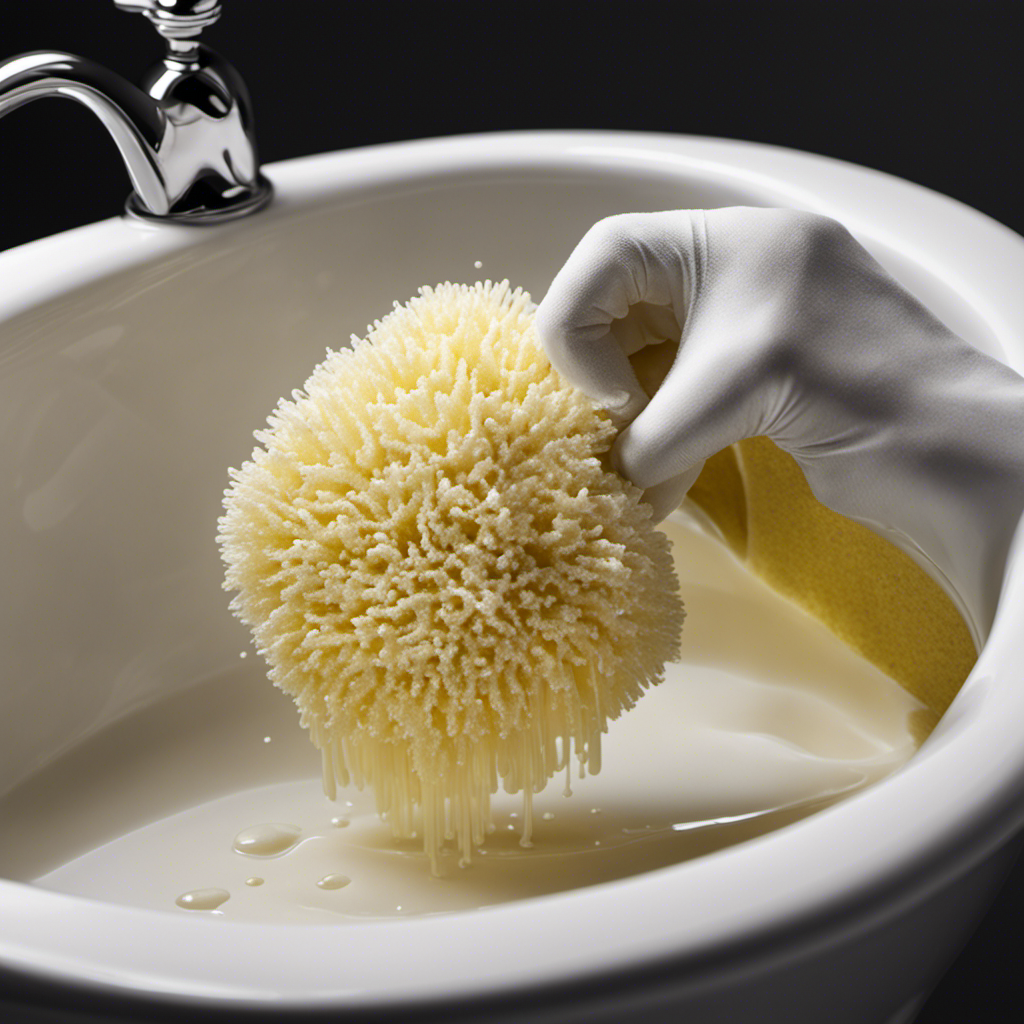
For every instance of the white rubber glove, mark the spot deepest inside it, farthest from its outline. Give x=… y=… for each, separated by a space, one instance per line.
x=790 y=329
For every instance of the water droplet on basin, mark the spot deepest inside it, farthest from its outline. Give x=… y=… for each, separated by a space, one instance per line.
x=203 y=899
x=267 y=840
x=334 y=881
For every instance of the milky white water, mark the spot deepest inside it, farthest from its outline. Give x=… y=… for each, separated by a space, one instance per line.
x=210 y=803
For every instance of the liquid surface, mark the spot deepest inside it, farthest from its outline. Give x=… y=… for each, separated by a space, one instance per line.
x=766 y=719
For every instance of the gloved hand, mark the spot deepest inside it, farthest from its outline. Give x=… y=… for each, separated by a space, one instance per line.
x=790 y=329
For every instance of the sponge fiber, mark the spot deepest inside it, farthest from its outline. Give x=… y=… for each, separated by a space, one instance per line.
x=439 y=566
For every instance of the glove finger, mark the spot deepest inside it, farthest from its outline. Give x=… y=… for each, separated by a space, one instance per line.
x=611 y=270
x=701 y=408
x=666 y=497
x=645 y=324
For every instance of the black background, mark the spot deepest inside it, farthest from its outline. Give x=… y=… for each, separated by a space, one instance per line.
x=931 y=92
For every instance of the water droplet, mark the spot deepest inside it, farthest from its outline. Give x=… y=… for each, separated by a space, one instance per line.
x=242 y=654
x=334 y=881
x=478 y=264
x=254 y=881
x=548 y=816
x=267 y=840
x=266 y=739
x=340 y=822
x=595 y=810
x=203 y=899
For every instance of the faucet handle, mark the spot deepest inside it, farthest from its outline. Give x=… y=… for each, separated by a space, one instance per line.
x=175 y=19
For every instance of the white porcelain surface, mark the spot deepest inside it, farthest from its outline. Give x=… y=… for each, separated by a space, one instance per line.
x=135 y=362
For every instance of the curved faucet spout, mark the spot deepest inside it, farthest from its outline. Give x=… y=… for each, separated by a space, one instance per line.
x=134 y=120
x=186 y=136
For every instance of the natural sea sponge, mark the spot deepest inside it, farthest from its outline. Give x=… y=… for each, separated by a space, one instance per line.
x=438 y=565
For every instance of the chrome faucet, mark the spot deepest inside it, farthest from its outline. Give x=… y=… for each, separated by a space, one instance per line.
x=186 y=136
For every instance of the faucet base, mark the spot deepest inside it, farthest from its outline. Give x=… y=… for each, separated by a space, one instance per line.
x=213 y=207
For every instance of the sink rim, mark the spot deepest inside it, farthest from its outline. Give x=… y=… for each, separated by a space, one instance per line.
x=188 y=960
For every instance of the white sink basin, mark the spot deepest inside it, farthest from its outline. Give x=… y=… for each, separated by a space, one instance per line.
x=136 y=360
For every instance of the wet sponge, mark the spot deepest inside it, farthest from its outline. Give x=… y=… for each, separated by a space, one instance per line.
x=439 y=567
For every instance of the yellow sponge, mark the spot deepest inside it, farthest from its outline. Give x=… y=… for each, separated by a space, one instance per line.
x=440 y=568
x=873 y=596
x=869 y=593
